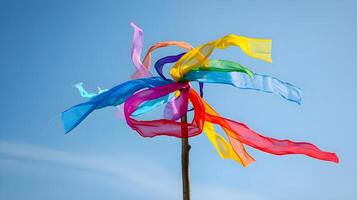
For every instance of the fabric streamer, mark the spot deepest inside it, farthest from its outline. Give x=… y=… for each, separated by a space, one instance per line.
x=86 y=94
x=113 y=97
x=159 y=65
x=177 y=107
x=258 y=82
x=147 y=58
x=143 y=68
x=247 y=136
x=256 y=48
x=223 y=66
x=143 y=108
x=242 y=133
x=145 y=93
x=150 y=105
x=235 y=150
x=164 y=126
x=211 y=65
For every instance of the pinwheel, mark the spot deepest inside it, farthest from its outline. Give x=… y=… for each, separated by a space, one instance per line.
x=146 y=92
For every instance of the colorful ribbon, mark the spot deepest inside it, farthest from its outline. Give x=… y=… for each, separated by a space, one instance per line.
x=144 y=94
x=256 y=48
x=143 y=68
x=113 y=97
x=258 y=82
x=227 y=72
x=86 y=94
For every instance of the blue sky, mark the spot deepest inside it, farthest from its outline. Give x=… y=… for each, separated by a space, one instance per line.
x=47 y=46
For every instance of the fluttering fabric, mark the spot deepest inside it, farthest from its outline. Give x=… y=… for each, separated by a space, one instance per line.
x=143 y=108
x=113 y=97
x=167 y=127
x=258 y=82
x=211 y=65
x=256 y=48
x=232 y=150
x=228 y=72
x=143 y=67
x=145 y=93
x=176 y=107
x=84 y=93
x=159 y=65
x=243 y=133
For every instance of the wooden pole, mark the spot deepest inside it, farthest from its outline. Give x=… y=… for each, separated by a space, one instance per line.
x=185 y=157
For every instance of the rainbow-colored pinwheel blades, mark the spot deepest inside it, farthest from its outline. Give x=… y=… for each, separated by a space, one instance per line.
x=146 y=93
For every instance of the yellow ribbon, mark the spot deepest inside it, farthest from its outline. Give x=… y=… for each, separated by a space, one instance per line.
x=235 y=150
x=254 y=47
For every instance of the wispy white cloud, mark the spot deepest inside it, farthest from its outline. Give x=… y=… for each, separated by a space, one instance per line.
x=155 y=179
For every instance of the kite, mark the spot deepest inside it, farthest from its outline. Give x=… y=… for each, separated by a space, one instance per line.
x=146 y=92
